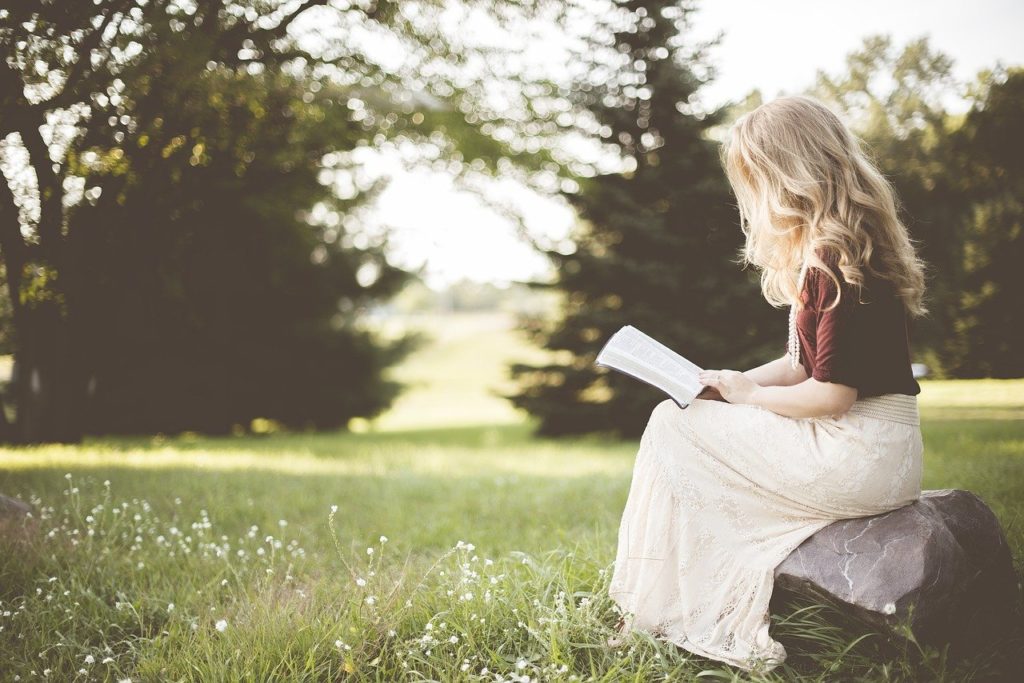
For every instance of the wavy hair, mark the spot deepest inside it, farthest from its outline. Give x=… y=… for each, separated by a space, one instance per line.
x=805 y=188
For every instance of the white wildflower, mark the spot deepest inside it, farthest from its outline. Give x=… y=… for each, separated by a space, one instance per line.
x=222 y=625
x=334 y=509
x=889 y=608
x=369 y=551
x=370 y=599
x=360 y=582
x=89 y=659
x=383 y=539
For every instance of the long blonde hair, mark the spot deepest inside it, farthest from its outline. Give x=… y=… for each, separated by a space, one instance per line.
x=805 y=187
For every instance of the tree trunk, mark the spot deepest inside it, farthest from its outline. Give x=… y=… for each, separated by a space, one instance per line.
x=46 y=380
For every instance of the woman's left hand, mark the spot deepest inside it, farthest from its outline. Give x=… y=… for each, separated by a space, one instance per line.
x=735 y=387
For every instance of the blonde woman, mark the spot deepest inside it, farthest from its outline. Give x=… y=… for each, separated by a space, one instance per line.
x=724 y=490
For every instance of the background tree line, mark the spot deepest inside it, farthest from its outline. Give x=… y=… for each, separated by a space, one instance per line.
x=179 y=221
x=656 y=243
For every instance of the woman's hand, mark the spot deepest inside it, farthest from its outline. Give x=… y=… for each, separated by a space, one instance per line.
x=735 y=387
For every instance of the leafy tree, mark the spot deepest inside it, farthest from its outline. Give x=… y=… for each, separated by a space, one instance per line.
x=104 y=77
x=657 y=243
x=894 y=98
x=220 y=301
x=989 y=331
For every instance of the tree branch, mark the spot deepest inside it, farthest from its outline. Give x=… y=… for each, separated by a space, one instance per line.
x=82 y=70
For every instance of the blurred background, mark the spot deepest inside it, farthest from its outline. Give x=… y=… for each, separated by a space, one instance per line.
x=245 y=217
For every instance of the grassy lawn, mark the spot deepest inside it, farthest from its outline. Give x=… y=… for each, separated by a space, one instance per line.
x=460 y=548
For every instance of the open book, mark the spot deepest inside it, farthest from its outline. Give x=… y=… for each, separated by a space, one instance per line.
x=632 y=352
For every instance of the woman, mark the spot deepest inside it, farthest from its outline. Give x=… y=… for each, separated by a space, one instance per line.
x=725 y=489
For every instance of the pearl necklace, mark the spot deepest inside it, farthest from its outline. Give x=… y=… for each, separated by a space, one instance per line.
x=793 y=343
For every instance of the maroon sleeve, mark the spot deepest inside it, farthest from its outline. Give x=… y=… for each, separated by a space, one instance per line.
x=834 y=331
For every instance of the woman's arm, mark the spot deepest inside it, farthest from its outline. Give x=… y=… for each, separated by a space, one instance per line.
x=809 y=398
x=777 y=373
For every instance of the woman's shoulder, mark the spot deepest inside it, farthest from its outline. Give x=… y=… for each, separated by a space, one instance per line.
x=823 y=286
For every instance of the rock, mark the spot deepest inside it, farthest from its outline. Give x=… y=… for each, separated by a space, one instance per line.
x=13 y=508
x=16 y=519
x=945 y=555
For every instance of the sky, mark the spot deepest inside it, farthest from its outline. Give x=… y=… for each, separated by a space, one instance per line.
x=777 y=46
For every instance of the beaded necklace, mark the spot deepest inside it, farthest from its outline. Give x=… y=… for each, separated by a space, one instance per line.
x=793 y=344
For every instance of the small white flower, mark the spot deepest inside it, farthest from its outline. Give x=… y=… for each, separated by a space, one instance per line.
x=338 y=644
x=889 y=608
x=360 y=582
x=170 y=607
x=107 y=660
x=222 y=625
x=453 y=639
x=383 y=539
x=521 y=664
x=282 y=523
x=89 y=659
x=370 y=599
x=334 y=508
x=125 y=680
x=369 y=551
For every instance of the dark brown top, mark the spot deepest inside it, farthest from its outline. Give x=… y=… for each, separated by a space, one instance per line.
x=862 y=345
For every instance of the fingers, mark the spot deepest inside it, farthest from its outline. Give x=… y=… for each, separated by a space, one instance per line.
x=712 y=378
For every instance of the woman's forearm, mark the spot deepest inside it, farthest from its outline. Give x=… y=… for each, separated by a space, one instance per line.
x=809 y=398
x=777 y=373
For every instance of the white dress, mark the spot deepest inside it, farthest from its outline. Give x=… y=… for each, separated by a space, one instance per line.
x=722 y=493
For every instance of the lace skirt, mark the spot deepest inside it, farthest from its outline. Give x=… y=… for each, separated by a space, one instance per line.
x=721 y=494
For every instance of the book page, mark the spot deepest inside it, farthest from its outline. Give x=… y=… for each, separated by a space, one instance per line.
x=636 y=354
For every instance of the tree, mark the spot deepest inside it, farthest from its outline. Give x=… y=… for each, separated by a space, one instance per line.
x=894 y=99
x=657 y=243
x=90 y=70
x=989 y=328
x=201 y=293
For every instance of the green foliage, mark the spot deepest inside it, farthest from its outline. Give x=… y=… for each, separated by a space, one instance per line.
x=190 y=264
x=958 y=179
x=989 y=331
x=208 y=295
x=657 y=243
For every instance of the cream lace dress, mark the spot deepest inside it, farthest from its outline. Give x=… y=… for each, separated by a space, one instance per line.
x=722 y=493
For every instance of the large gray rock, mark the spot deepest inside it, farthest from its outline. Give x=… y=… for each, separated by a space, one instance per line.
x=15 y=518
x=945 y=555
x=12 y=508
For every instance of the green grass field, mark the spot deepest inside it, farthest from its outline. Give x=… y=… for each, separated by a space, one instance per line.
x=460 y=547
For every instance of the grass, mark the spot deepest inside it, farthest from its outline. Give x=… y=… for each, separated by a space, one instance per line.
x=486 y=552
